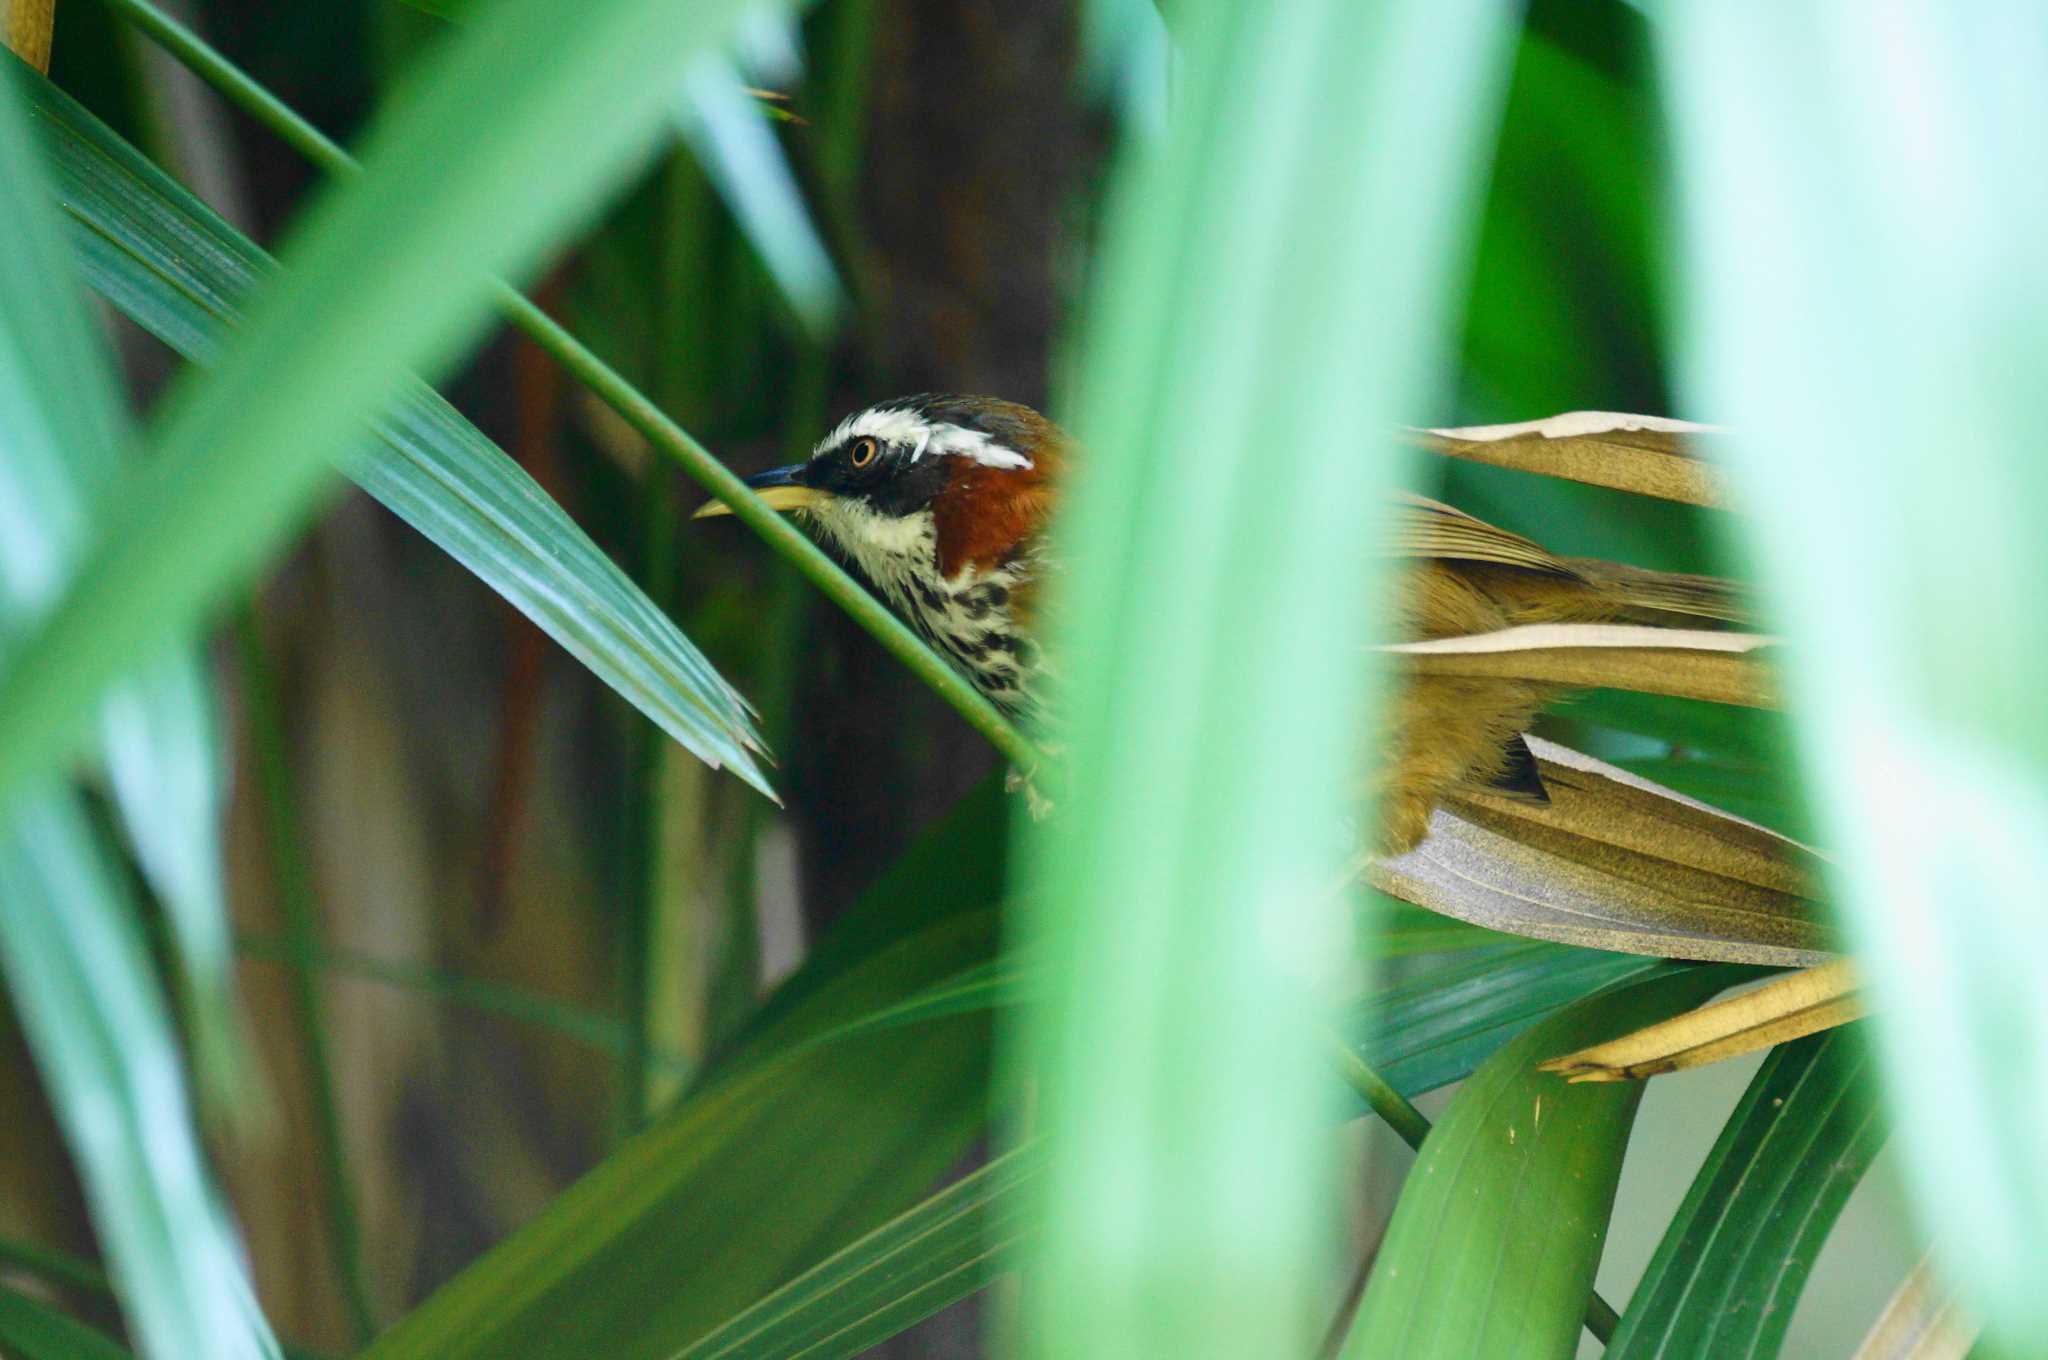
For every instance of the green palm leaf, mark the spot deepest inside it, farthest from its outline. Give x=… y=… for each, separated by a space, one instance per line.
x=89 y=1001
x=946 y=1248
x=1265 y=304
x=36 y=1331
x=1499 y=1227
x=1727 y=1276
x=1433 y=1028
x=786 y=1151
x=63 y=441
x=87 y=993
x=181 y=272
x=1864 y=212
x=387 y=274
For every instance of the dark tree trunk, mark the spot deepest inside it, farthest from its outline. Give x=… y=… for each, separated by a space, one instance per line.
x=978 y=153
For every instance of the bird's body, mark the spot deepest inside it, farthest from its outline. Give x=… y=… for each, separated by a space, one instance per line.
x=944 y=504
x=972 y=617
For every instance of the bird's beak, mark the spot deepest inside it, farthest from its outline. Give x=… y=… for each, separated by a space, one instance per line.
x=778 y=487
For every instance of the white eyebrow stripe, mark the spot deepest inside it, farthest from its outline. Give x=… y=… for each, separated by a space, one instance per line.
x=898 y=425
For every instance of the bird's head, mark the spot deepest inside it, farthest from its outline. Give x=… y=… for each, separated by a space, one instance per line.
x=963 y=482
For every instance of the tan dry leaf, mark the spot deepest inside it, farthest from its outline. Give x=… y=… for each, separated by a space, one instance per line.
x=25 y=26
x=1778 y=1012
x=1644 y=455
x=1426 y=528
x=1423 y=527
x=1685 y=663
x=1923 y=1321
x=1616 y=862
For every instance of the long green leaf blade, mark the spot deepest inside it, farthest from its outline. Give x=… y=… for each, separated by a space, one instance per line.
x=1728 y=1274
x=1271 y=290
x=77 y=973
x=389 y=273
x=955 y=1242
x=88 y=996
x=35 y=1331
x=730 y=134
x=63 y=440
x=1498 y=1231
x=1435 y=1027
x=1864 y=211
x=788 y=541
x=946 y=1248
x=785 y=1153
x=161 y=747
x=182 y=273
x=1425 y=1032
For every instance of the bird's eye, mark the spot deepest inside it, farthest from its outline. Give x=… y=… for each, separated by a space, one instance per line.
x=862 y=451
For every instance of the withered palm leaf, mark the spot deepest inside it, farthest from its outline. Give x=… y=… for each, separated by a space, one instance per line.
x=1546 y=842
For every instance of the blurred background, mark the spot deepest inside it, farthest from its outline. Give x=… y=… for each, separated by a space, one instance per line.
x=537 y=916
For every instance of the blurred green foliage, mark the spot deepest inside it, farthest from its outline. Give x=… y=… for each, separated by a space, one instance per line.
x=593 y=1050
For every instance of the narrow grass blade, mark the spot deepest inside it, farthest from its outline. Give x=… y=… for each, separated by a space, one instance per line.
x=90 y=1005
x=87 y=994
x=1270 y=296
x=982 y=987
x=785 y=1152
x=953 y=1243
x=182 y=273
x=388 y=273
x=57 y=1267
x=292 y=880
x=436 y=986
x=1498 y=1231
x=63 y=440
x=948 y=1247
x=30 y=1330
x=1864 y=211
x=730 y=134
x=1725 y=1280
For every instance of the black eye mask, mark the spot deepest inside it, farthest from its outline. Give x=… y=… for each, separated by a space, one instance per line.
x=894 y=484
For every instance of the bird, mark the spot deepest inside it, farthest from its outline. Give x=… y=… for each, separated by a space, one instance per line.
x=944 y=503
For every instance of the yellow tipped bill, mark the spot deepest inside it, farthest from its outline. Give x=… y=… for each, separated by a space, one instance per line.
x=779 y=487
